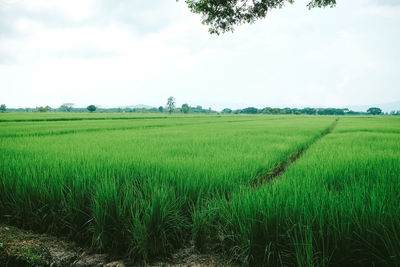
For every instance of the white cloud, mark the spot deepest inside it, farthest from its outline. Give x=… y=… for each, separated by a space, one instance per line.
x=116 y=53
x=387 y=11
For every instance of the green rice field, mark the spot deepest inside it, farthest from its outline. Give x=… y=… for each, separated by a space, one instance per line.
x=261 y=190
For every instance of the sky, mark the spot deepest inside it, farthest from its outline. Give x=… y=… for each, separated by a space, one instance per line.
x=113 y=53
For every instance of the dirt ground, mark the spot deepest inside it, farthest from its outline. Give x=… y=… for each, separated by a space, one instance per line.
x=24 y=248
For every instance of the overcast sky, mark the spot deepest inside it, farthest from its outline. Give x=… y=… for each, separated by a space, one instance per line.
x=125 y=52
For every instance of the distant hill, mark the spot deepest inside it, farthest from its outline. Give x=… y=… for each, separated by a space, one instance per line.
x=386 y=107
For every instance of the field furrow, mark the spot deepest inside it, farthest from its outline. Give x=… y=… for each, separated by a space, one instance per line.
x=280 y=168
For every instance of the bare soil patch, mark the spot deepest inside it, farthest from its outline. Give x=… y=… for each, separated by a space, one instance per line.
x=22 y=248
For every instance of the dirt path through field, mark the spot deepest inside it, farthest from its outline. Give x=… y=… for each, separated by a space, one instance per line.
x=281 y=167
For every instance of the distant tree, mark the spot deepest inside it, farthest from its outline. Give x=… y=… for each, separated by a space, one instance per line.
x=224 y=15
x=226 y=111
x=198 y=109
x=339 y=111
x=374 y=111
x=91 y=108
x=3 y=108
x=161 y=109
x=309 y=111
x=66 y=107
x=267 y=110
x=275 y=111
x=43 y=109
x=330 y=111
x=351 y=112
x=171 y=104
x=287 y=111
x=185 y=108
x=152 y=110
x=237 y=111
x=249 y=110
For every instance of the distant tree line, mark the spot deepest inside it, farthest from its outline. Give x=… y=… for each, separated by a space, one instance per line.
x=294 y=111
x=308 y=111
x=69 y=107
x=185 y=108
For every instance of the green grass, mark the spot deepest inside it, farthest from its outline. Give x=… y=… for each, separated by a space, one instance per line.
x=147 y=187
x=338 y=204
x=37 y=127
x=71 y=116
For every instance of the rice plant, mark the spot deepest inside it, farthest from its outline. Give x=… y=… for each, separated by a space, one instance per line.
x=145 y=187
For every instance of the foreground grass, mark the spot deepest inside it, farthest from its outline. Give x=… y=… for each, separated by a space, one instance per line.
x=147 y=187
x=136 y=190
x=337 y=205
